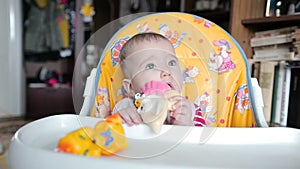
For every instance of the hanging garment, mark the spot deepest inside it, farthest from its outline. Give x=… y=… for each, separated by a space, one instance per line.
x=42 y=31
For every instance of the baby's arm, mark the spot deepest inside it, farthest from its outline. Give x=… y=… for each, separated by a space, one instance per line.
x=127 y=111
x=186 y=113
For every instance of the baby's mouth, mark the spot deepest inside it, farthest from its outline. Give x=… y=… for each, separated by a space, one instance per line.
x=171 y=85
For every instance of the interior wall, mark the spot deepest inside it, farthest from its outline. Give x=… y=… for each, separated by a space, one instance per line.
x=12 y=77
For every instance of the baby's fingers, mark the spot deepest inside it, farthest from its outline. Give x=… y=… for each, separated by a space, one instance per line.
x=181 y=104
x=126 y=119
x=175 y=98
x=180 y=119
x=135 y=117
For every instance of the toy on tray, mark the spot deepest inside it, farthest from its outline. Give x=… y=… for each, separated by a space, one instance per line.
x=153 y=103
x=106 y=138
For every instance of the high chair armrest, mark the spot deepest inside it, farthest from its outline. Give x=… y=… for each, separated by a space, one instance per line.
x=88 y=93
x=259 y=103
x=90 y=83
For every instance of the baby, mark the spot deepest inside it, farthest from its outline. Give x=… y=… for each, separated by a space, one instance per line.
x=150 y=57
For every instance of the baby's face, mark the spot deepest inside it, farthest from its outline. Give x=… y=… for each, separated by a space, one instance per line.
x=153 y=61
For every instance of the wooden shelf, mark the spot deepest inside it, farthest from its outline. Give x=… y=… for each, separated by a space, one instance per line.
x=272 y=22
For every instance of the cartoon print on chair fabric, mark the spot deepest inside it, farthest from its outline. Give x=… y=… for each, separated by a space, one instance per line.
x=206 y=24
x=242 y=99
x=116 y=49
x=103 y=104
x=204 y=102
x=143 y=29
x=221 y=61
x=213 y=65
x=190 y=73
x=173 y=36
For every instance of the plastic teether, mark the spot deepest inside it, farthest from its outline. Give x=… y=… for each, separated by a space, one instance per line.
x=153 y=105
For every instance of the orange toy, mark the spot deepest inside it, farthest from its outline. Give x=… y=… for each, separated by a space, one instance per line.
x=107 y=138
x=113 y=134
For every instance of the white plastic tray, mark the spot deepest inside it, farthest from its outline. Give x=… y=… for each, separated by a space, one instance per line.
x=32 y=147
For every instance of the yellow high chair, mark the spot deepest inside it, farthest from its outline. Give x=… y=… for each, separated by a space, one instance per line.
x=214 y=67
x=219 y=83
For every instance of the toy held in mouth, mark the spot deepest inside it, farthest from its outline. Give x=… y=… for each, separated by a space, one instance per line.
x=106 y=138
x=153 y=103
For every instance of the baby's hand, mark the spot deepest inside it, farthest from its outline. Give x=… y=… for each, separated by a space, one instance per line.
x=182 y=113
x=130 y=116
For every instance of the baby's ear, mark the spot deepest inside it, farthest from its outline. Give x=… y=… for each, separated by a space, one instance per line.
x=128 y=87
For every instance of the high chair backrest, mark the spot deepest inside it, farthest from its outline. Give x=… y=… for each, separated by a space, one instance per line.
x=214 y=68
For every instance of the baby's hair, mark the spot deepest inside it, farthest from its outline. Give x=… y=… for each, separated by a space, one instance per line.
x=140 y=38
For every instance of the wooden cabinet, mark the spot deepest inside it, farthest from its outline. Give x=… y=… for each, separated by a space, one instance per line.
x=241 y=10
x=42 y=102
x=247 y=17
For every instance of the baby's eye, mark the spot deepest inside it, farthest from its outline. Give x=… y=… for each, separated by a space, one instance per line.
x=150 y=66
x=172 y=63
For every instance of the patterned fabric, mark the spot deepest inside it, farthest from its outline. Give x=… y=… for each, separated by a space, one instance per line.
x=198 y=118
x=214 y=68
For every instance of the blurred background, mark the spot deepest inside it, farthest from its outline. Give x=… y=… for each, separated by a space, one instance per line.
x=42 y=41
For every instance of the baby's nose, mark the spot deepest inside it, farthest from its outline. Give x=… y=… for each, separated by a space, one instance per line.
x=164 y=74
